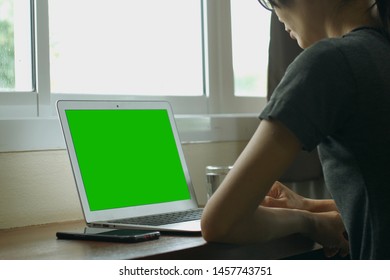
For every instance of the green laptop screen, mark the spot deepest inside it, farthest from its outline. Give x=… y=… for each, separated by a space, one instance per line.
x=127 y=157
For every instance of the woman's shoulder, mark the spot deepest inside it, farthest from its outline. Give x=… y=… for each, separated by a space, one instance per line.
x=323 y=54
x=362 y=40
x=358 y=44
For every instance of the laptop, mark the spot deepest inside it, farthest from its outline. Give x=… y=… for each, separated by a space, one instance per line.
x=128 y=165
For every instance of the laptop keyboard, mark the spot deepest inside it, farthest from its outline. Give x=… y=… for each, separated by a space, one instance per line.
x=163 y=219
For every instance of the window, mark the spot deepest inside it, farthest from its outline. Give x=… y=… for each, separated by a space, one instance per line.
x=250 y=40
x=203 y=56
x=148 y=47
x=15 y=46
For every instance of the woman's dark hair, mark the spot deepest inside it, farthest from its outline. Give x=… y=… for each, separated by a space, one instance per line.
x=383 y=7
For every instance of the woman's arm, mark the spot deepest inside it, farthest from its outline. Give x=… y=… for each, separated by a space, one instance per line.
x=270 y=151
x=233 y=213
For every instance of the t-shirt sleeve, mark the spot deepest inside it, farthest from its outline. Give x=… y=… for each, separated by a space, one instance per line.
x=315 y=96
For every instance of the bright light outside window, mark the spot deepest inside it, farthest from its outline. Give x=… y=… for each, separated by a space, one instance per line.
x=15 y=46
x=250 y=40
x=148 y=47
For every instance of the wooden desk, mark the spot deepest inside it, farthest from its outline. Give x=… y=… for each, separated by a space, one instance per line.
x=40 y=242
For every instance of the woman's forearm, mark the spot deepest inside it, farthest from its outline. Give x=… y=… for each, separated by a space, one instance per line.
x=319 y=205
x=267 y=223
x=264 y=225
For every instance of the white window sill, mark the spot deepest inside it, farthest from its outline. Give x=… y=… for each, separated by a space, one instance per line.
x=30 y=134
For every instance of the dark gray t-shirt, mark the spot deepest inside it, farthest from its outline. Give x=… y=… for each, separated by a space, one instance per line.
x=336 y=96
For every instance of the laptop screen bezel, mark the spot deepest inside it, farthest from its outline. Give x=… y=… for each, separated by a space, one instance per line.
x=124 y=212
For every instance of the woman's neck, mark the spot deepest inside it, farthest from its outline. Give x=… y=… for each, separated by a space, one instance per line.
x=353 y=15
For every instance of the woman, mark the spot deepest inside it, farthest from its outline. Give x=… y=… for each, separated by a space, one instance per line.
x=334 y=96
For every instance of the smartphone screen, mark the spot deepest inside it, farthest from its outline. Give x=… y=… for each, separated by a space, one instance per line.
x=111 y=235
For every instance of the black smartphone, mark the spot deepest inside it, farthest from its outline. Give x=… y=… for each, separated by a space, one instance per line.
x=111 y=235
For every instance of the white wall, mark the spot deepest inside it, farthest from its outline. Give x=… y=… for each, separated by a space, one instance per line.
x=37 y=187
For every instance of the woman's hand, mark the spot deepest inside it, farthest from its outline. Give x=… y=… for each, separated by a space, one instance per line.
x=281 y=196
x=329 y=231
x=326 y=228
